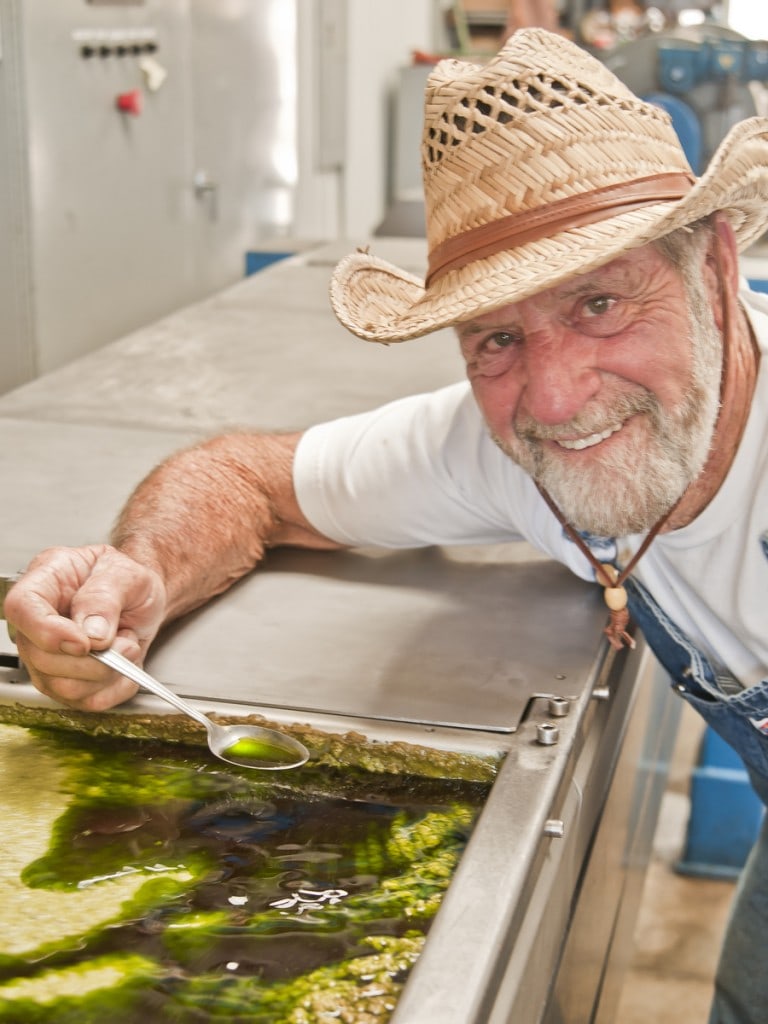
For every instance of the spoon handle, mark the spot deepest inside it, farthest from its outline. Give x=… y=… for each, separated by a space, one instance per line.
x=127 y=668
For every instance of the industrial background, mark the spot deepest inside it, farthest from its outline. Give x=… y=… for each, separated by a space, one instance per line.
x=177 y=179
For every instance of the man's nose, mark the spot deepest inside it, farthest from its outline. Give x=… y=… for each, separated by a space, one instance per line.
x=560 y=376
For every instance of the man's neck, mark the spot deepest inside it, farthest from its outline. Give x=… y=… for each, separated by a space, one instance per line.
x=740 y=364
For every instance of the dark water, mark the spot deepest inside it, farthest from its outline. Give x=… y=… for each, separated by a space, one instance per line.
x=295 y=891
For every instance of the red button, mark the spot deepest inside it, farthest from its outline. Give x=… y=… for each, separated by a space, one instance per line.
x=130 y=102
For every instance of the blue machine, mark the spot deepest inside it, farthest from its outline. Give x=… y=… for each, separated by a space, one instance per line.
x=726 y=813
x=686 y=124
x=684 y=65
x=703 y=76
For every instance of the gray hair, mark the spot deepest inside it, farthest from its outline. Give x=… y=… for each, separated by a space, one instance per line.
x=684 y=247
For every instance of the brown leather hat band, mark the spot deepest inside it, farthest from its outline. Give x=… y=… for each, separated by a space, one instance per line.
x=561 y=215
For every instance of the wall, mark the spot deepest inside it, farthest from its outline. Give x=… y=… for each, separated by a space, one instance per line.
x=384 y=37
x=343 y=186
x=17 y=363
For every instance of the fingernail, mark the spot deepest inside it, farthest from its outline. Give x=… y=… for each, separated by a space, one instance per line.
x=96 y=626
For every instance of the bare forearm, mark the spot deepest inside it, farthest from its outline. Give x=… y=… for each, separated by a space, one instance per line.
x=205 y=517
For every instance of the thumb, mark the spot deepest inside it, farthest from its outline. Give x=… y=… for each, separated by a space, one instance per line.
x=119 y=595
x=96 y=609
x=96 y=627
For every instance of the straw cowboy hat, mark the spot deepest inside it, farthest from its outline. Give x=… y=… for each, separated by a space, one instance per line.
x=538 y=166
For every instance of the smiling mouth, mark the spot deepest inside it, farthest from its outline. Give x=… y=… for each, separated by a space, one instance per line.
x=579 y=443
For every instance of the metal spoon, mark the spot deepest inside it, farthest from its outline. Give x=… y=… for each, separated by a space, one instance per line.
x=248 y=746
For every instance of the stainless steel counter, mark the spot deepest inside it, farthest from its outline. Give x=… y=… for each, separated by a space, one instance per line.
x=461 y=649
x=267 y=352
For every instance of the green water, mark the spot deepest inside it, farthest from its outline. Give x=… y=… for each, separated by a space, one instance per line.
x=299 y=900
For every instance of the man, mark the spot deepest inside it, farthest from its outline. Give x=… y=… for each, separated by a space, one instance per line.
x=615 y=413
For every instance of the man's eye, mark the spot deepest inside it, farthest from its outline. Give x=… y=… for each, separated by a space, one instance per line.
x=599 y=305
x=493 y=354
x=502 y=339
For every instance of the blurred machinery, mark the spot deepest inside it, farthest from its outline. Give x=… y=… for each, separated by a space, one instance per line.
x=707 y=77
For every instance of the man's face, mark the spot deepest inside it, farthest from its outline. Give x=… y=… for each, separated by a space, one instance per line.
x=604 y=389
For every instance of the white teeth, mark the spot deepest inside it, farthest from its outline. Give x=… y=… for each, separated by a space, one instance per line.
x=588 y=442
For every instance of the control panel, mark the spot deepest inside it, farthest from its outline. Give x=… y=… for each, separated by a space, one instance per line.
x=139 y=44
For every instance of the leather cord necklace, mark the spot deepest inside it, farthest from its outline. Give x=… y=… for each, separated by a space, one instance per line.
x=611 y=578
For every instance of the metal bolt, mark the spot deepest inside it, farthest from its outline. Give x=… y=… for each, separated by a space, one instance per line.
x=601 y=693
x=559 y=706
x=547 y=734
x=554 y=828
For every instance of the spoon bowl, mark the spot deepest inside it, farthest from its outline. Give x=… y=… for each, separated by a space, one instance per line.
x=248 y=746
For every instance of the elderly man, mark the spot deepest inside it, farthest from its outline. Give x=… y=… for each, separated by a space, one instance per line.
x=615 y=414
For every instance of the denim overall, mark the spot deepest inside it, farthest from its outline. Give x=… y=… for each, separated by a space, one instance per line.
x=741 y=986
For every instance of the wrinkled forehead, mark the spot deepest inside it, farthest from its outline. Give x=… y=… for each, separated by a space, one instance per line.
x=627 y=276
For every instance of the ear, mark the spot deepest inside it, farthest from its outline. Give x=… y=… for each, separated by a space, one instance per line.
x=721 y=267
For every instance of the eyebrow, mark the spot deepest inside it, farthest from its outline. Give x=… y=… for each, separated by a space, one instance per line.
x=470 y=327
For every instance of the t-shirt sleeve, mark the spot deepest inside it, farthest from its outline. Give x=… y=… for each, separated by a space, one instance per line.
x=415 y=472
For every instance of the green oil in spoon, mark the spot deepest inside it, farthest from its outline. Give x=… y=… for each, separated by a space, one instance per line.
x=256 y=753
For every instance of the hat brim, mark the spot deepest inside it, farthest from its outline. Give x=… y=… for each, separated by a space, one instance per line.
x=378 y=301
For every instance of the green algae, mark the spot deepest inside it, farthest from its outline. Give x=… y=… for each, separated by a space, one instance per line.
x=259 y=900
x=86 y=993
x=327 y=750
x=363 y=990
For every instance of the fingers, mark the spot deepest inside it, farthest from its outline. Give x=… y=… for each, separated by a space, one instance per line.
x=72 y=600
x=38 y=604
x=69 y=597
x=78 y=682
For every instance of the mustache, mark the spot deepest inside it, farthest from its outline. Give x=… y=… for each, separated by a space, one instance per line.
x=592 y=419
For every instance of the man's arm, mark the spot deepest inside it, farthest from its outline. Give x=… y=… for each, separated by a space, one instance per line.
x=206 y=516
x=196 y=524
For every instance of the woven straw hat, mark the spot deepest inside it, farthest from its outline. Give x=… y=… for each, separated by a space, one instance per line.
x=538 y=166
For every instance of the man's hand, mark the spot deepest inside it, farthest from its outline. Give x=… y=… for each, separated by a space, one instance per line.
x=72 y=600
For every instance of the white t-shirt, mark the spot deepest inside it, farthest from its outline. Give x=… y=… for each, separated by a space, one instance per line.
x=422 y=470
